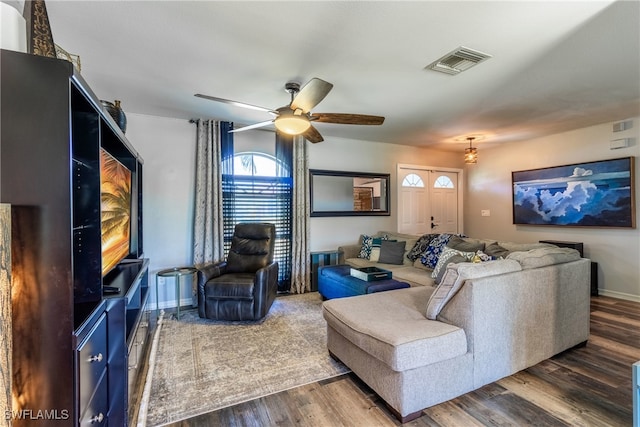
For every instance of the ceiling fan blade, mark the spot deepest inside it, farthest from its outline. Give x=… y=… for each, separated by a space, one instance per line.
x=312 y=135
x=311 y=94
x=347 y=119
x=235 y=103
x=253 y=126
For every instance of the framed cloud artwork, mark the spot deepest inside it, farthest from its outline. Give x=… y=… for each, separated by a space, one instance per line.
x=592 y=194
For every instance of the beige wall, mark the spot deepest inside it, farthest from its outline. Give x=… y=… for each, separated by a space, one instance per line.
x=617 y=251
x=365 y=156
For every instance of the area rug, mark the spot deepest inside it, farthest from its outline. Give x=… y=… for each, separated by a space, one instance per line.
x=202 y=365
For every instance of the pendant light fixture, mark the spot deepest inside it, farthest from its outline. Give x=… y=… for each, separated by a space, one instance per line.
x=471 y=153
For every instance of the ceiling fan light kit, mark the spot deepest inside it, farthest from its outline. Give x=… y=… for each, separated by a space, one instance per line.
x=296 y=118
x=291 y=124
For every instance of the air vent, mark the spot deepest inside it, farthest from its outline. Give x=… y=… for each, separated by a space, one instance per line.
x=458 y=61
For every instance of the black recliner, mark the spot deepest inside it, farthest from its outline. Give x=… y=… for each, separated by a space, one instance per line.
x=245 y=285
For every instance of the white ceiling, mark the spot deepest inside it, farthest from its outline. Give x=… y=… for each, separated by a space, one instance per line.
x=555 y=66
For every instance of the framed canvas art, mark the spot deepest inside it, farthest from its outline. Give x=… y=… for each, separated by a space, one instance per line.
x=593 y=194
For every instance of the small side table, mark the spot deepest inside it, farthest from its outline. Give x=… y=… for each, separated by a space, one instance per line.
x=177 y=273
x=318 y=259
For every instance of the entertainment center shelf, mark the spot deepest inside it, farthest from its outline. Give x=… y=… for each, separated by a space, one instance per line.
x=78 y=349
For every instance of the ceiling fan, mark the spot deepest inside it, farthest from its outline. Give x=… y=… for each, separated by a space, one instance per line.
x=296 y=118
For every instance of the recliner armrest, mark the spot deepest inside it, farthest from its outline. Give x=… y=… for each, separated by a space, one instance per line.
x=265 y=289
x=206 y=273
x=266 y=275
x=211 y=270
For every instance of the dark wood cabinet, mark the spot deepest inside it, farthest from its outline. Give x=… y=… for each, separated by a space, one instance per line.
x=70 y=341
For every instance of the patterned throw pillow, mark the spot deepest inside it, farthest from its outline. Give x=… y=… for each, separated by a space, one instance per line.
x=371 y=246
x=365 y=250
x=446 y=257
x=420 y=246
x=431 y=254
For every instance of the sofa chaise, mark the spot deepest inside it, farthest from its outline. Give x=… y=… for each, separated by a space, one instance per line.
x=423 y=345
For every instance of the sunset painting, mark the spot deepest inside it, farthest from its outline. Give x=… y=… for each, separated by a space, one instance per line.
x=599 y=194
x=115 y=191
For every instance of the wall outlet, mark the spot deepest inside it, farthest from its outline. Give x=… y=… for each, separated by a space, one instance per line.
x=485 y=212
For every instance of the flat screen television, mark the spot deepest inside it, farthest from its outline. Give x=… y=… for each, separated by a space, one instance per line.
x=116 y=210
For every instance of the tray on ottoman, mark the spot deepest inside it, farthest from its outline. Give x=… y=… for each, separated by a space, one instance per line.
x=370 y=274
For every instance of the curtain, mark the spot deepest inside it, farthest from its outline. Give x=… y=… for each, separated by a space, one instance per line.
x=208 y=225
x=300 y=255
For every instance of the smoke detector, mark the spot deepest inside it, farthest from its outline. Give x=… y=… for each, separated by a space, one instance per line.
x=457 y=61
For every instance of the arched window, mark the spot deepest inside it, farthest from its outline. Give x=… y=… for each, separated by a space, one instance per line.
x=412 y=180
x=254 y=164
x=443 y=181
x=260 y=190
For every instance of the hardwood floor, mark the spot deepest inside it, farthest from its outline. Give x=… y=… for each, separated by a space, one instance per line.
x=586 y=386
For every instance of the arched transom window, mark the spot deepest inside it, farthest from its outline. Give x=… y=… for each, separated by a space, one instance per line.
x=412 y=180
x=443 y=182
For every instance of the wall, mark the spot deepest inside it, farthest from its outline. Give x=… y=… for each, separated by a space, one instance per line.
x=168 y=149
x=365 y=156
x=616 y=251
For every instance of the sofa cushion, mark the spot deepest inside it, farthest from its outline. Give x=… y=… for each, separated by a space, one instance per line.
x=400 y=237
x=420 y=246
x=391 y=327
x=392 y=252
x=448 y=256
x=465 y=244
x=495 y=250
x=542 y=257
x=455 y=276
x=419 y=276
x=368 y=243
x=434 y=249
x=519 y=247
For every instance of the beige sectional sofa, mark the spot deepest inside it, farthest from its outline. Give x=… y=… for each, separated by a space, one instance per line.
x=423 y=345
x=412 y=272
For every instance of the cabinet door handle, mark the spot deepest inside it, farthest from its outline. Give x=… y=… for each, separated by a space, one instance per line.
x=97 y=418
x=97 y=358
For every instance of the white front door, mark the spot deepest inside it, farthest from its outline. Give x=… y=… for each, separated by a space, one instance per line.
x=428 y=200
x=444 y=202
x=413 y=202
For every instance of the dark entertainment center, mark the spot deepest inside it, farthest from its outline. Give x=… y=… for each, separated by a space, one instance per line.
x=78 y=350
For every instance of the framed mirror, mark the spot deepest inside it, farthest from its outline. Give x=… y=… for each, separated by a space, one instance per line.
x=337 y=193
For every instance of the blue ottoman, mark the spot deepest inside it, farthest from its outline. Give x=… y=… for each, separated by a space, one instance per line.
x=334 y=281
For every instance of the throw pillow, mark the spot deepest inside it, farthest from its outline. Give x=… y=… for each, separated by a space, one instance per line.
x=455 y=259
x=496 y=251
x=391 y=252
x=365 y=250
x=444 y=260
x=371 y=247
x=457 y=242
x=434 y=249
x=420 y=246
x=375 y=247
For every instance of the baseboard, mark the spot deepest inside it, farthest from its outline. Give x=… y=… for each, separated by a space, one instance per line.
x=184 y=302
x=619 y=295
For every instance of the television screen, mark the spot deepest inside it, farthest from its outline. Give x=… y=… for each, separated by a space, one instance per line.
x=115 y=194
